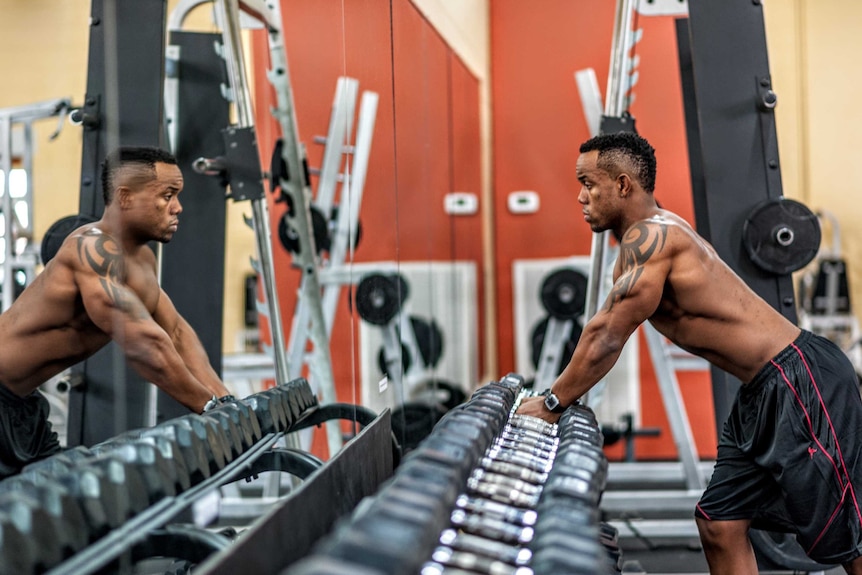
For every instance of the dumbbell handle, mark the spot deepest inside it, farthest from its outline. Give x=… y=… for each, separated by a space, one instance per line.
x=492 y=528
x=516 y=471
x=497 y=510
x=483 y=476
x=488 y=547
x=510 y=456
x=476 y=563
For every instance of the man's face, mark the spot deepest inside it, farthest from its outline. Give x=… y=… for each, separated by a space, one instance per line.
x=599 y=194
x=156 y=206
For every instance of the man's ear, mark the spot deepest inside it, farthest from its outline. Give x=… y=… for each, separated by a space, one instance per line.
x=123 y=197
x=624 y=184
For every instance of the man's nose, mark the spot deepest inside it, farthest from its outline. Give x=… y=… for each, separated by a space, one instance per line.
x=178 y=207
x=583 y=196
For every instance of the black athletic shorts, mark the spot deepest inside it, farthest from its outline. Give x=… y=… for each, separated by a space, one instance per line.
x=25 y=432
x=789 y=455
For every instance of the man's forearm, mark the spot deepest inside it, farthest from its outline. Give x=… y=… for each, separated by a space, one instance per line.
x=192 y=352
x=593 y=359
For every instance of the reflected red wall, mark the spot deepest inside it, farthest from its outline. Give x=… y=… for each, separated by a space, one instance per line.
x=425 y=144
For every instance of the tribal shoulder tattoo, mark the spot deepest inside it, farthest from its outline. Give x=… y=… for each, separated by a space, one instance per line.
x=641 y=242
x=101 y=254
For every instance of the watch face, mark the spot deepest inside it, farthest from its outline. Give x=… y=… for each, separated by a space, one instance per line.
x=552 y=402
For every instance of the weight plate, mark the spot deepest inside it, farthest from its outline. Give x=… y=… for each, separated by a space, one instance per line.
x=290 y=239
x=564 y=293
x=429 y=338
x=377 y=298
x=58 y=232
x=781 y=235
x=537 y=340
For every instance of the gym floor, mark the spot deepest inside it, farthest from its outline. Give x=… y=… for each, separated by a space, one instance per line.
x=677 y=557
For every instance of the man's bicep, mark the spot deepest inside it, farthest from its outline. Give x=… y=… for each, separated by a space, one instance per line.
x=166 y=315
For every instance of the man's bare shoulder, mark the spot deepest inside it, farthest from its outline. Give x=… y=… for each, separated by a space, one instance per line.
x=90 y=249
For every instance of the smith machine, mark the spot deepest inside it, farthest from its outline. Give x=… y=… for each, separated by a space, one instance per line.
x=739 y=208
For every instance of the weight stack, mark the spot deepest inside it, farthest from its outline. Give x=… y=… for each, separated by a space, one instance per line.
x=489 y=491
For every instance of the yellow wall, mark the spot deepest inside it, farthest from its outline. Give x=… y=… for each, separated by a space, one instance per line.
x=44 y=57
x=813 y=50
x=50 y=41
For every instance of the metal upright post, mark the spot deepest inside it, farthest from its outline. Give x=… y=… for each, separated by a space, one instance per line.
x=615 y=106
x=6 y=207
x=297 y=188
x=232 y=45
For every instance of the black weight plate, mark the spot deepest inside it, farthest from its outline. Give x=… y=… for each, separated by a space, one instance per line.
x=429 y=338
x=781 y=235
x=537 y=340
x=377 y=298
x=58 y=232
x=564 y=293
x=290 y=239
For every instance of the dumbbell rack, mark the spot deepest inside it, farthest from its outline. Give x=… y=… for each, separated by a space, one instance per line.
x=489 y=491
x=89 y=509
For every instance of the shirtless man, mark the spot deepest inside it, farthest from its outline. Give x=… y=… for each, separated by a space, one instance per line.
x=102 y=285
x=788 y=458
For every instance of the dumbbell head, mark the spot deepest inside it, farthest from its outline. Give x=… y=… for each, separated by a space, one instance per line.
x=383 y=542
x=269 y=412
x=582 y=463
x=18 y=553
x=188 y=444
x=108 y=491
x=61 y=461
x=246 y=420
x=460 y=422
x=423 y=476
x=555 y=560
x=219 y=442
x=559 y=515
x=450 y=451
x=233 y=437
x=280 y=395
x=175 y=463
x=496 y=391
x=570 y=487
x=49 y=516
x=301 y=390
x=159 y=474
x=513 y=381
x=424 y=505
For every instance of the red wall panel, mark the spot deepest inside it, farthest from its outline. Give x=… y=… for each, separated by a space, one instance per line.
x=420 y=64
x=466 y=230
x=426 y=140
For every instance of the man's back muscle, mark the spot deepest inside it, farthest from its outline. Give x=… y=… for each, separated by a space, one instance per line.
x=708 y=310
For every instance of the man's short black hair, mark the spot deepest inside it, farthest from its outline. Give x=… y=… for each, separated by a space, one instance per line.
x=143 y=155
x=621 y=148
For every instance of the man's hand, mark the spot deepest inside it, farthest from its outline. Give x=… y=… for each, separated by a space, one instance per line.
x=535 y=406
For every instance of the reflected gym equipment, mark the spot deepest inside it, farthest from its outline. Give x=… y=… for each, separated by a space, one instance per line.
x=152 y=492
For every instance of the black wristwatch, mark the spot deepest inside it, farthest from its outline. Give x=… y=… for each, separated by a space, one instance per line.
x=552 y=403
